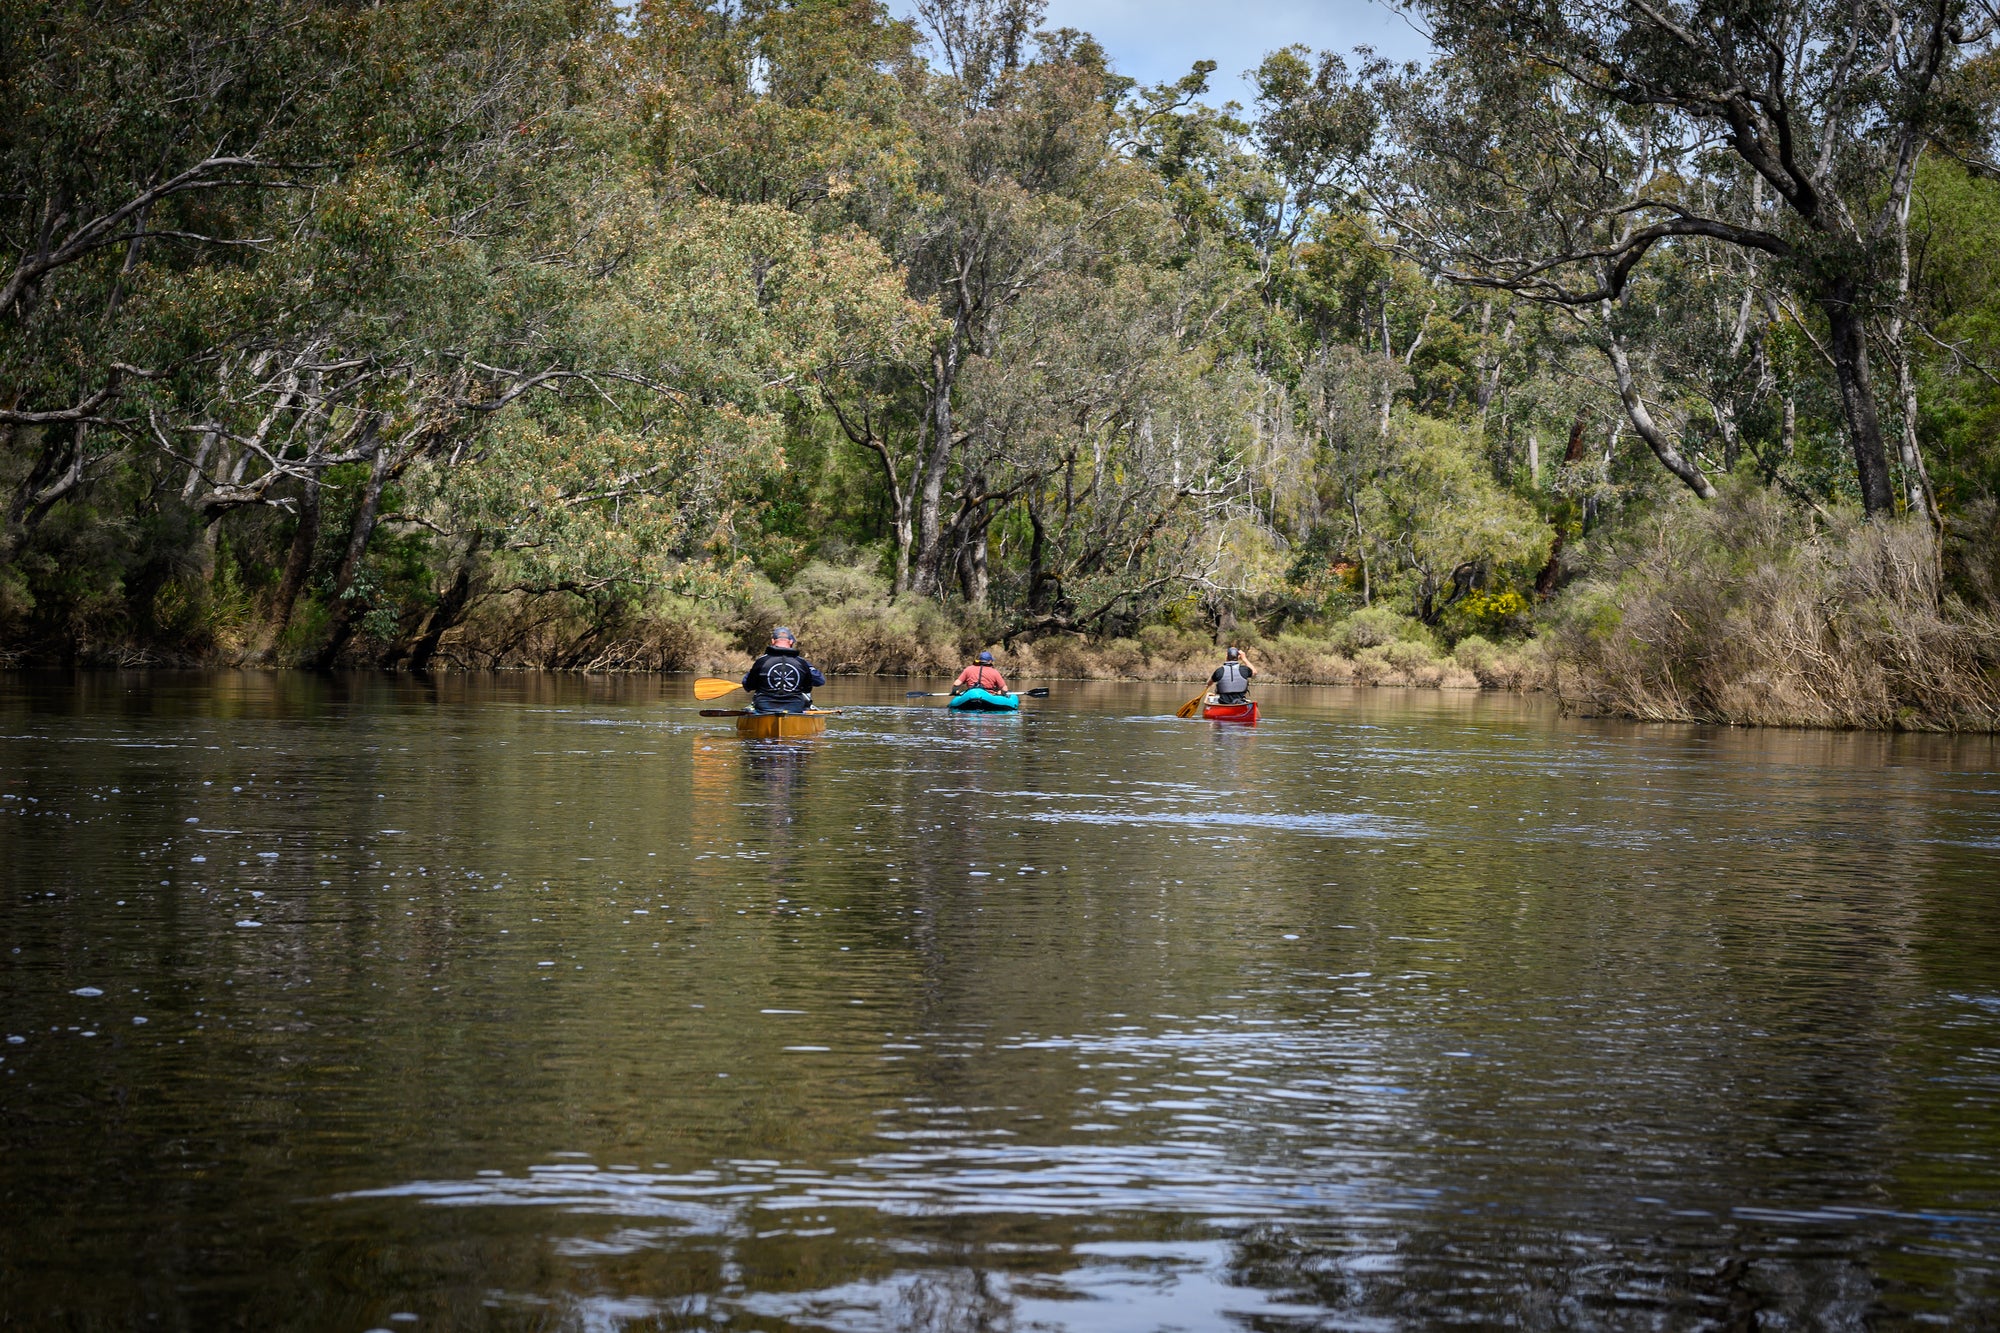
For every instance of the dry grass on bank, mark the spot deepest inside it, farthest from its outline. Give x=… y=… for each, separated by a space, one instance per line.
x=847 y=625
x=1288 y=660
x=1738 y=612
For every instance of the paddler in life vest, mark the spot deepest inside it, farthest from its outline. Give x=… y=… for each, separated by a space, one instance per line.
x=781 y=681
x=981 y=675
x=1231 y=680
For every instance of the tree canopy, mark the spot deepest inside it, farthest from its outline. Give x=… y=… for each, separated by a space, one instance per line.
x=322 y=327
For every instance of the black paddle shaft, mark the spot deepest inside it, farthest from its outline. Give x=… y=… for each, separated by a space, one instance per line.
x=1040 y=693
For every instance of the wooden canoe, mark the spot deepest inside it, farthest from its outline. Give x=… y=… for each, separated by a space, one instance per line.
x=780 y=726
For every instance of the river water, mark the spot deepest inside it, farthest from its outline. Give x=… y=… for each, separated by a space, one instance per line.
x=543 y=1003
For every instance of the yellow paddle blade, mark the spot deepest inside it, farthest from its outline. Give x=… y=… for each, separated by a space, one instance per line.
x=1192 y=706
x=708 y=687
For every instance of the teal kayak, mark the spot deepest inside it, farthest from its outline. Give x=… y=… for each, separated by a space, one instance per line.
x=979 y=701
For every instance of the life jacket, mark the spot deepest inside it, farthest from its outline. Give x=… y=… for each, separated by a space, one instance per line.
x=984 y=678
x=1232 y=679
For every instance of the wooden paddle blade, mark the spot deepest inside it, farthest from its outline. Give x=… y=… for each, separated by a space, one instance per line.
x=708 y=687
x=1192 y=706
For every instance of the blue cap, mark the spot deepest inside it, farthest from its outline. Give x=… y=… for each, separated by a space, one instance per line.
x=782 y=632
x=986 y=658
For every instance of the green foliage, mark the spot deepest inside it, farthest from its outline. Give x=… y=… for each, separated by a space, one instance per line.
x=1746 y=611
x=1502 y=613
x=515 y=329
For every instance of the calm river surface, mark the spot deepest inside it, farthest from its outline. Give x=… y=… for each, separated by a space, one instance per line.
x=542 y=1003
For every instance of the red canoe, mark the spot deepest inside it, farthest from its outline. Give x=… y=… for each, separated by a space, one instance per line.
x=1244 y=713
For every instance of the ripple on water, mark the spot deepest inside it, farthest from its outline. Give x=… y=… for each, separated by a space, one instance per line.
x=1545 y=1023
x=1321 y=824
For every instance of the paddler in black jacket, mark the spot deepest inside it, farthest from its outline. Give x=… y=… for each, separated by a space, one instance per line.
x=781 y=681
x=1232 y=679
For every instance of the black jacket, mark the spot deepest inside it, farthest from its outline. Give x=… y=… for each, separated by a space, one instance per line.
x=781 y=681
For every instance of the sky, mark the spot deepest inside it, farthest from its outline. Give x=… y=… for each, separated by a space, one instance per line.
x=1155 y=41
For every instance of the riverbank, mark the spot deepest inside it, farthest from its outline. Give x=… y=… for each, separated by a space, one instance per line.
x=1370 y=649
x=1741 y=613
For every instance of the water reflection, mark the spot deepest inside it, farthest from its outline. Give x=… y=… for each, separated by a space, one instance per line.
x=531 y=1003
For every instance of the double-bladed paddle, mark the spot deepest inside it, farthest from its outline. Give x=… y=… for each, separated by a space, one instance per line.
x=751 y=712
x=1041 y=693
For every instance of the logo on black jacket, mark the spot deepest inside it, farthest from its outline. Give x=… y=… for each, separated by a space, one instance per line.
x=783 y=678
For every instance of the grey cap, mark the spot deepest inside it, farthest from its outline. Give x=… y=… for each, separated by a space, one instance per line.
x=783 y=632
x=1235 y=653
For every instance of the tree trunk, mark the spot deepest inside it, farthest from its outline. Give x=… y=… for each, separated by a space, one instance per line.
x=448 y=611
x=1360 y=547
x=58 y=470
x=298 y=564
x=1489 y=375
x=1642 y=419
x=363 y=528
x=900 y=583
x=972 y=573
x=1915 y=476
x=1038 y=601
x=926 y=576
x=1552 y=570
x=1847 y=345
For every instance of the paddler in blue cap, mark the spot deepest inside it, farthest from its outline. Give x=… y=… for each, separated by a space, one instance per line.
x=781 y=681
x=981 y=675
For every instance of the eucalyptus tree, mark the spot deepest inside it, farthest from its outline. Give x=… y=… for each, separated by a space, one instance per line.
x=223 y=223
x=145 y=162
x=1114 y=442
x=1110 y=437
x=627 y=474
x=1790 y=131
x=471 y=309
x=1013 y=178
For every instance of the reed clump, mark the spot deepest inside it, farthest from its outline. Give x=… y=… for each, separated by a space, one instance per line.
x=1744 y=611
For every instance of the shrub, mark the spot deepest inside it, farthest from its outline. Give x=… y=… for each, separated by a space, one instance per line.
x=1744 y=611
x=1298 y=660
x=1500 y=612
x=1171 y=643
x=1497 y=668
x=1372 y=626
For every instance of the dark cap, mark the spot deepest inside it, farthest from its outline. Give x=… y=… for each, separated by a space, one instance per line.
x=783 y=632
x=1235 y=653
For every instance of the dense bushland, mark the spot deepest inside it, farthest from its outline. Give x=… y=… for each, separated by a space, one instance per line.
x=491 y=333
x=1747 y=611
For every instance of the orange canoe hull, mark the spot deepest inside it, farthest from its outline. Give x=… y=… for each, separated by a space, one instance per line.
x=780 y=726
